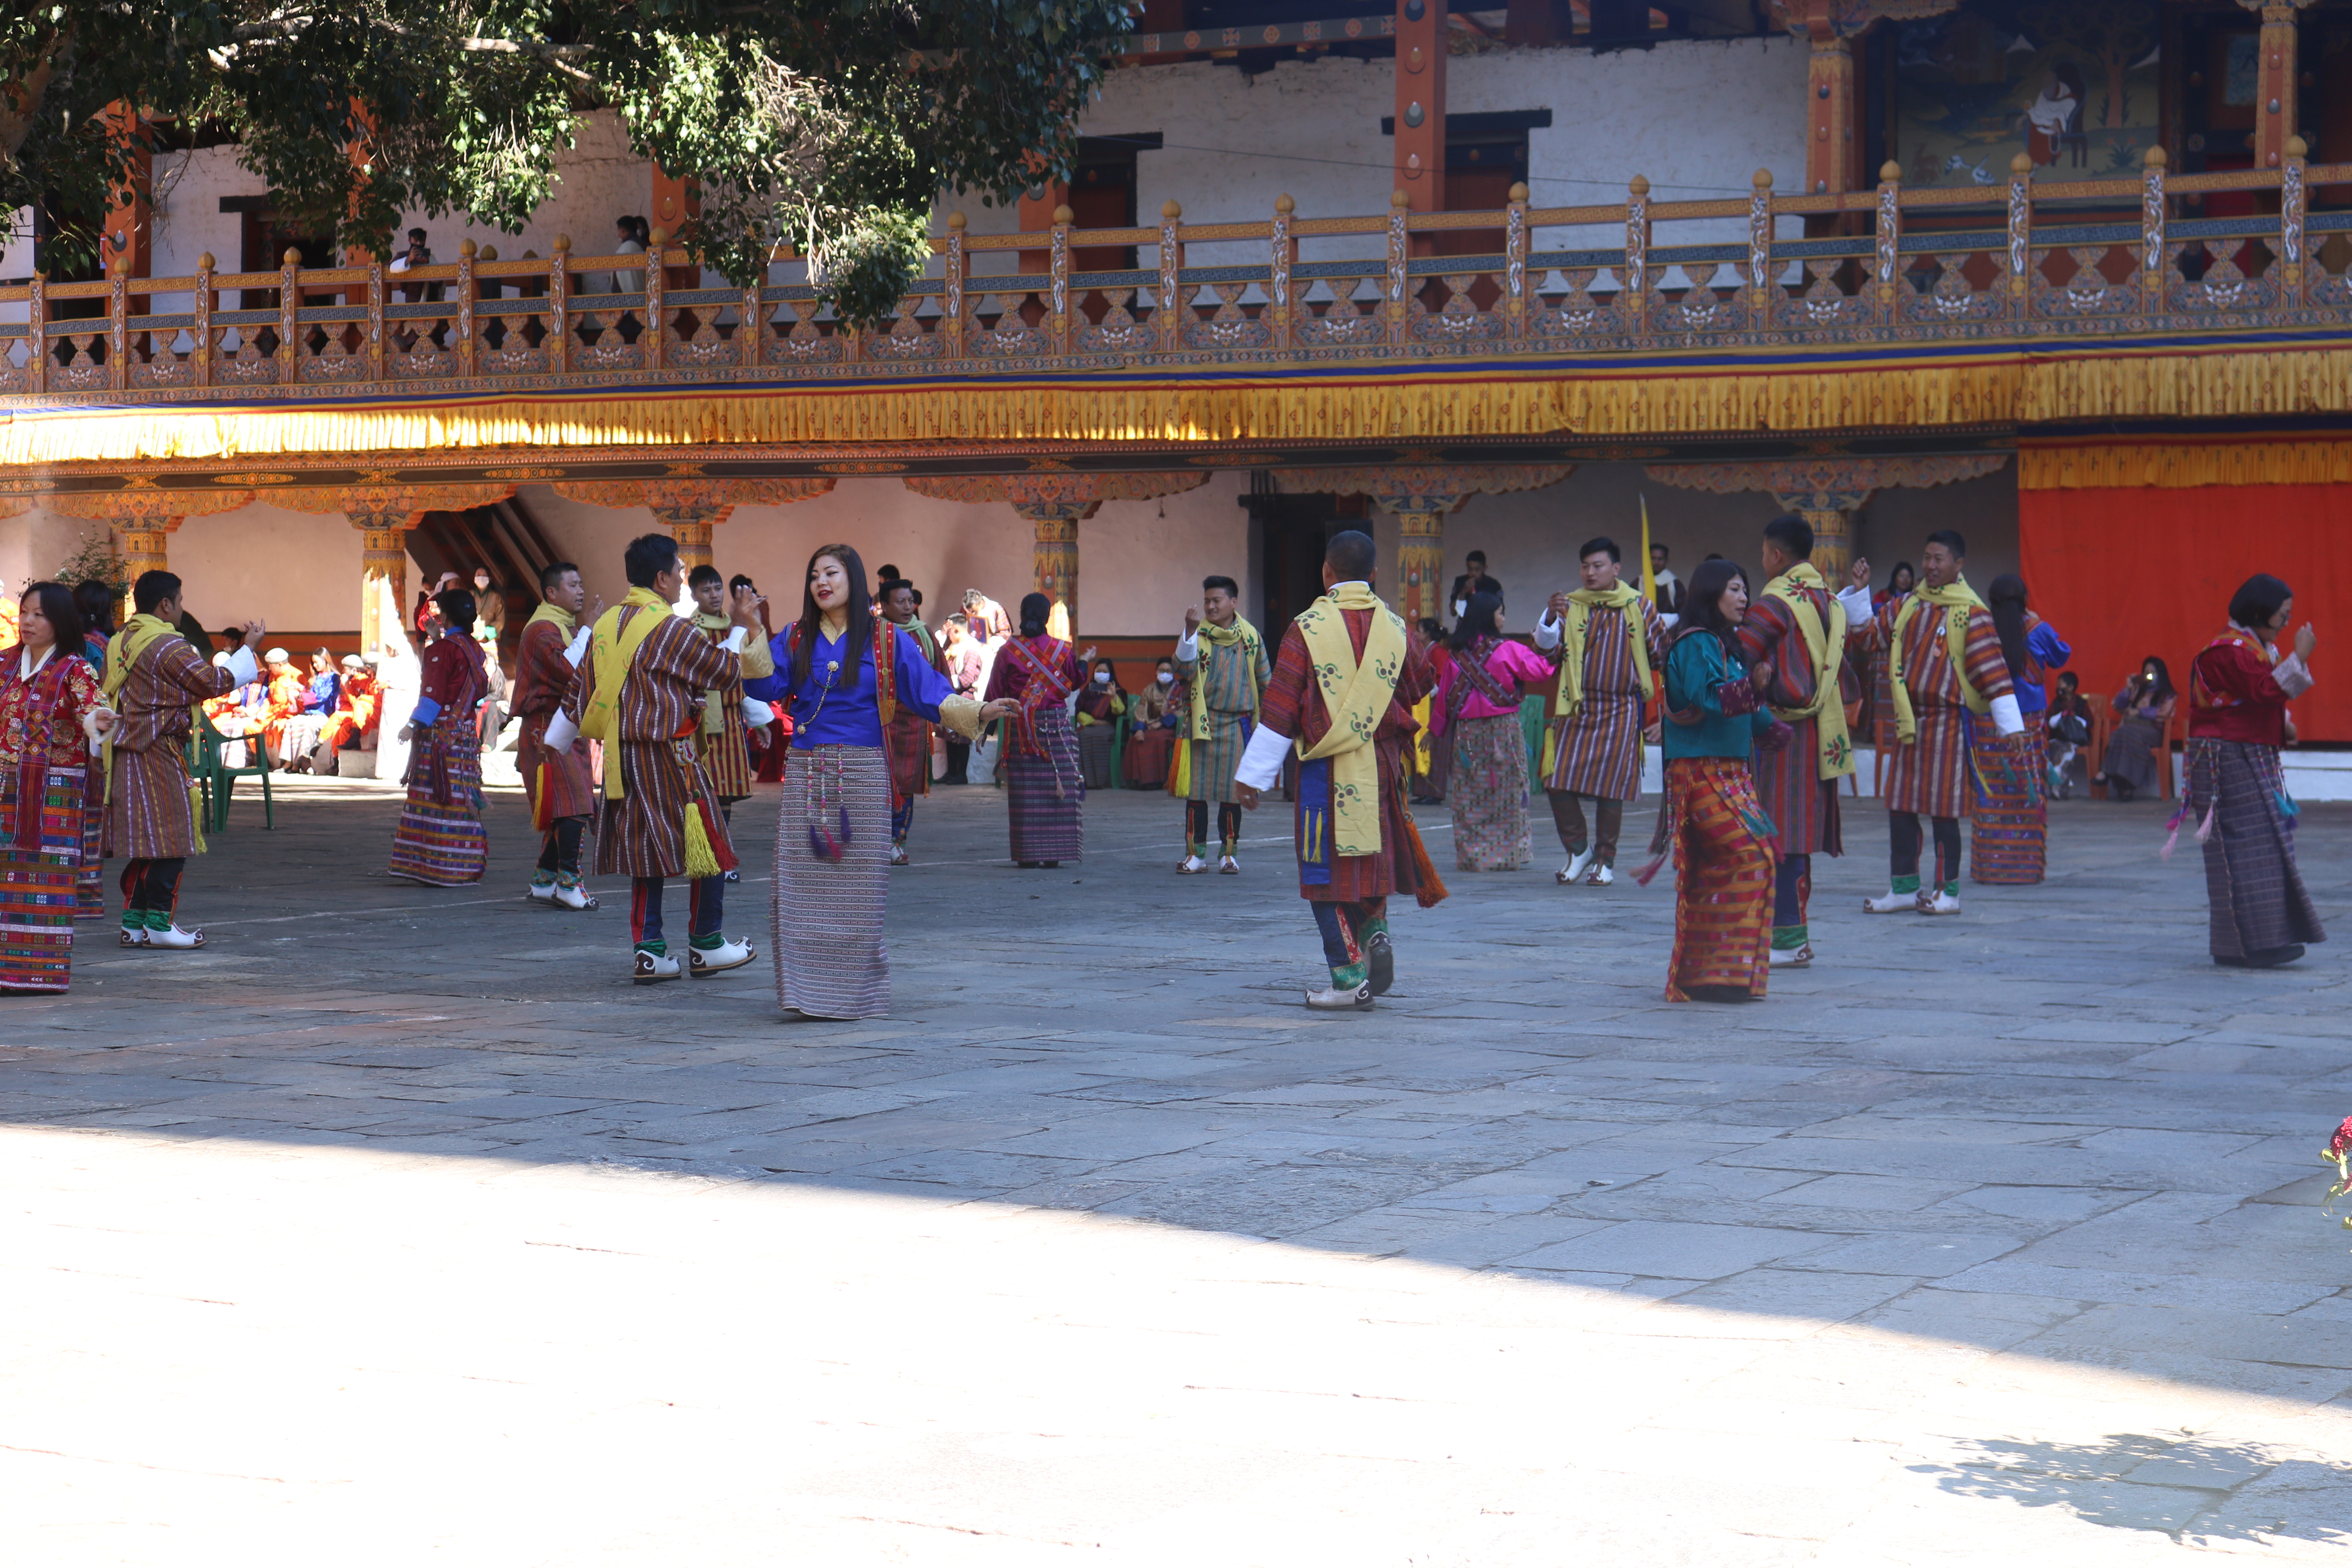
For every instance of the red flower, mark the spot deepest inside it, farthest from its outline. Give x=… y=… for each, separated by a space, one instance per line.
x=2341 y=1144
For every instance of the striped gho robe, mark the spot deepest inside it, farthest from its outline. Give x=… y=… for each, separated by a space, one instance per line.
x=643 y=833
x=910 y=737
x=148 y=813
x=1231 y=679
x=724 y=741
x=542 y=676
x=1931 y=774
x=1597 y=750
x=1800 y=801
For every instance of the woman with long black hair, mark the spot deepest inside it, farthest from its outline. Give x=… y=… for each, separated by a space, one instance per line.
x=1045 y=796
x=1474 y=717
x=1711 y=821
x=2009 y=815
x=2144 y=706
x=51 y=715
x=842 y=672
x=2238 y=688
x=440 y=841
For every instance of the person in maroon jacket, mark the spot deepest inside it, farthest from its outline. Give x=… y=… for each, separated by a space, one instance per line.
x=2238 y=688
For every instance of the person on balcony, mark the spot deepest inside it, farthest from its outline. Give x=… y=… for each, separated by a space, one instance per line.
x=842 y=672
x=2009 y=826
x=558 y=784
x=1946 y=678
x=910 y=733
x=2234 y=789
x=1607 y=639
x=52 y=715
x=440 y=841
x=1475 y=718
x=1225 y=682
x=640 y=690
x=1793 y=634
x=153 y=677
x=1341 y=701
x=1712 y=821
x=1045 y=796
x=2144 y=706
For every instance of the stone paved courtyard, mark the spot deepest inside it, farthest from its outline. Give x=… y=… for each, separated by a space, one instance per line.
x=396 y=1226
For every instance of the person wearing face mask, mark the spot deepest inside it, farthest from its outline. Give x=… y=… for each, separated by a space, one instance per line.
x=52 y=715
x=1151 y=730
x=1948 y=680
x=1102 y=702
x=2233 y=788
x=1711 y=822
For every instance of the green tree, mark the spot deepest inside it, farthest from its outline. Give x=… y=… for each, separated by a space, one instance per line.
x=829 y=124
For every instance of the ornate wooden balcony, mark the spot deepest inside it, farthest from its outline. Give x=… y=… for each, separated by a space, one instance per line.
x=1925 y=280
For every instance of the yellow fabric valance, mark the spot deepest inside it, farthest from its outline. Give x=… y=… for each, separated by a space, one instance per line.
x=2182 y=465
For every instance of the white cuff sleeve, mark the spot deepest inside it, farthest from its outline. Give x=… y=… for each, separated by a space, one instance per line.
x=735 y=639
x=560 y=733
x=2005 y=718
x=757 y=713
x=2293 y=675
x=579 y=648
x=1261 y=764
x=1547 y=634
x=1188 y=649
x=1669 y=620
x=1856 y=604
x=242 y=666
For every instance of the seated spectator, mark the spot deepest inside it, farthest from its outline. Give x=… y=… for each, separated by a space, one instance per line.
x=2066 y=732
x=358 y=704
x=1101 y=704
x=1152 y=729
x=299 y=733
x=236 y=714
x=287 y=688
x=2145 y=705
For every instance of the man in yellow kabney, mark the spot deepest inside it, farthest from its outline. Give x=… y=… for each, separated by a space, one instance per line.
x=1343 y=689
x=641 y=690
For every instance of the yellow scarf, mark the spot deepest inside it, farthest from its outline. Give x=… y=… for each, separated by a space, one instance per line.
x=1357 y=696
x=1955 y=599
x=138 y=634
x=563 y=620
x=1240 y=633
x=614 y=648
x=1826 y=644
x=1581 y=605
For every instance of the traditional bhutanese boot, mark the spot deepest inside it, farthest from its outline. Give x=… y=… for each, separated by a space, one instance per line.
x=654 y=964
x=716 y=955
x=1351 y=991
x=1791 y=950
x=162 y=932
x=1228 y=866
x=134 y=927
x=1943 y=901
x=1578 y=859
x=1380 y=957
x=1601 y=876
x=543 y=887
x=569 y=895
x=1902 y=895
x=1192 y=864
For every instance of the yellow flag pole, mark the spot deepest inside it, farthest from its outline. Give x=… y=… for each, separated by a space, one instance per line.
x=1649 y=572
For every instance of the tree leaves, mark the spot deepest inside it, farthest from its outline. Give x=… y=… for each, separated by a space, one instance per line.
x=832 y=125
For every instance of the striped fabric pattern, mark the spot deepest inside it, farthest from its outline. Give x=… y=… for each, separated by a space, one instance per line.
x=1723 y=899
x=1218 y=758
x=148 y=815
x=90 y=887
x=1801 y=804
x=1232 y=679
x=1931 y=775
x=38 y=887
x=2253 y=888
x=830 y=958
x=1597 y=750
x=725 y=753
x=444 y=846
x=644 y=833
x=1045 y=797
x=2009 y=827
x=542 y=678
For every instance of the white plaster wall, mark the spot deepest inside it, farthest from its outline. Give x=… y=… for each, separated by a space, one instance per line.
x=1137 y=569
x=293 y=569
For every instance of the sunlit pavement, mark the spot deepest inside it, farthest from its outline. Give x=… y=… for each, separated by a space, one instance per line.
x=396 y=1226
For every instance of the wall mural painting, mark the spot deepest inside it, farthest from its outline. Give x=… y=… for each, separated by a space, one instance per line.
x=2071 y=83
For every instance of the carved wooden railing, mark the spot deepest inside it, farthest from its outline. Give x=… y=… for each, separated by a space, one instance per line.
x=2018 y=262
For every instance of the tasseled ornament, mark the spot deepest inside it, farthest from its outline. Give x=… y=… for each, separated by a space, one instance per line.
x=1656 y=863
x=2172 y=835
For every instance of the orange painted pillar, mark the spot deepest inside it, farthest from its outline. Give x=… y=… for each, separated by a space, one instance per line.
x=1420 y=107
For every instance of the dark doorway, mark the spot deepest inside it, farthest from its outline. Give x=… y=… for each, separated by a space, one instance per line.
x=1291 y=531
x=1102 y=195
x=266 y=235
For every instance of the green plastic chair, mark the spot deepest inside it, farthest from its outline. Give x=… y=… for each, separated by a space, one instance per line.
x=217 y=779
